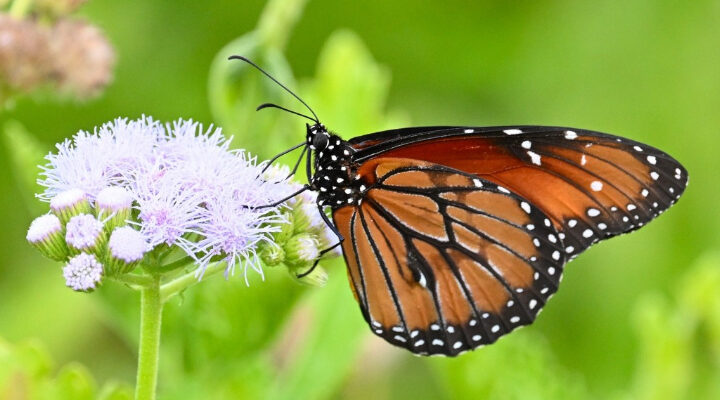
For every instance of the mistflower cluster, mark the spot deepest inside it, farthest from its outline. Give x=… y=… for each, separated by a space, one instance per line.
x=141 y=193
x=66 y=54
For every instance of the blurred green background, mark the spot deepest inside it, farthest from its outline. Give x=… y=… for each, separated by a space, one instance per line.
x=636 y=317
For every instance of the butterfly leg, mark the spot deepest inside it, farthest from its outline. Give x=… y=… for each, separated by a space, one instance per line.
x=272 y=160
x=322 y=252
x=286 y=198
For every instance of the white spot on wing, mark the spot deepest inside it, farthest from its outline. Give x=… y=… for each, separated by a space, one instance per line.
x=593 y=212
x=596 y=186
x=526 y=144
x=525 y=206
x=570 y=135
x=652 y=160
x=512 y=131
x=583 y=160
x=534 y=157
x=469 y=130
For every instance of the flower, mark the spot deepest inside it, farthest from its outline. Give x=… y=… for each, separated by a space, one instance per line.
x=84 y=233
x=233 y=229
x=167 y=213
x=83 y=273
x=126 y=248
x=46 y=234
x=92 y=162
x=70 y=203
x=115 y=204
x=176 y=186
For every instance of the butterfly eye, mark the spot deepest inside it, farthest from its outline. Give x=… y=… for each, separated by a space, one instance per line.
x=320 y=141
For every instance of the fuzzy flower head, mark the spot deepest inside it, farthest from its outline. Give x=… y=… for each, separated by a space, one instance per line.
x=233 y=230
x=83 y=273
x=91 y=162
x=84 y=233
x=154 y=188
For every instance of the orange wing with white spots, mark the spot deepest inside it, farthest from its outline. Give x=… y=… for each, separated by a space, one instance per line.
x=591 y=185
x=442 y=261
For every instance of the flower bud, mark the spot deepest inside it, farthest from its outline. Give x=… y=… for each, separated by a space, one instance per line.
x=286 y=229
x=116 y=203
x=317 y=277
x=83 y=273
x=126 y=248
x=271 y=254
x=70 y=203
x=84 y=233
x=301 y=249
x=46 y=234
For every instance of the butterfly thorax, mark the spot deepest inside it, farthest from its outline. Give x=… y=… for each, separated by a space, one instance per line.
x=334 y=173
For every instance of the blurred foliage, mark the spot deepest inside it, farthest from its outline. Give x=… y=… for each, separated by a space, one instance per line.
x=26 y=372
x=636 y=317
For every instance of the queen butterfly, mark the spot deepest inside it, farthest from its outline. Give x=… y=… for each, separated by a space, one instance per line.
x=455 y=236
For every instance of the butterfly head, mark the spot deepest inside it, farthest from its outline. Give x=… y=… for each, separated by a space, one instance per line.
x=318 y=137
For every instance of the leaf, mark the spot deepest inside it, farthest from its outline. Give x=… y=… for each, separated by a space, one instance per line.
x=74 y=382
x=320 y=344
x=350 y=89
x=235 y=90
x=25 y=154
x=517 y=367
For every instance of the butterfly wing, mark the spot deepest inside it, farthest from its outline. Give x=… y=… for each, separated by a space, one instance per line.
x=591 y=185
x=442 y=261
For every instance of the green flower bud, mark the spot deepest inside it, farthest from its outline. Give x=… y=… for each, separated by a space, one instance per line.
x=301 y=249
x=317 y=277
x=70 y=203
x=271 y=254
x=46 y=233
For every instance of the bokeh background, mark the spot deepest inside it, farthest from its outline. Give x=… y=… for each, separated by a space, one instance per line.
x=637 y=317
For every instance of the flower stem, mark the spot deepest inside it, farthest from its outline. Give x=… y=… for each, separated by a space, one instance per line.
x=149 y=352
x=184 y=281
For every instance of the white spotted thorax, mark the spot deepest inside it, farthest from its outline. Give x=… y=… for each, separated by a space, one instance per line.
x=334 y=174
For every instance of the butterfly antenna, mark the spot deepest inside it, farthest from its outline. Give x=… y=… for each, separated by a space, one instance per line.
x=270 y=105
x=276 y=81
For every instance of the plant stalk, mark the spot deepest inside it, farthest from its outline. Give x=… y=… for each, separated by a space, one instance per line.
x=149 y=351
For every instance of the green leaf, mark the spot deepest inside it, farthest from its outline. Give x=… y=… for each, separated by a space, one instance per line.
x=350 y=89
x=320 y=343
x=520 y=366
x=25 y=154
x=74 y=382
x=116 y=391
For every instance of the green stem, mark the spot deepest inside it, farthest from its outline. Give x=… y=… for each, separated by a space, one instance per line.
x=20 y=8
x=174 y=265
x=135 y=281
x=149 y=352
x=184 y=281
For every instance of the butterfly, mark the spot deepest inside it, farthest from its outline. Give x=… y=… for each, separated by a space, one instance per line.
x=454 y=236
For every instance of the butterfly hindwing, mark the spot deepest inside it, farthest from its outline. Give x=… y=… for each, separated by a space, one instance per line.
x=442 y=261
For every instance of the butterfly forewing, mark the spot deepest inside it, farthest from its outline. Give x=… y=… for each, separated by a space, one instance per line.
x=592 y=185
x=442 y=261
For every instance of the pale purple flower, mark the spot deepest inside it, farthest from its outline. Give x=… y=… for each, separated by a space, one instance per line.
x=113 y=199
x=93 y=161
x=46 y=234
x=84 y=232
x=127 y=244
x=233 y=230
x=42 y=227
x=168 y=213
x=83 y=272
